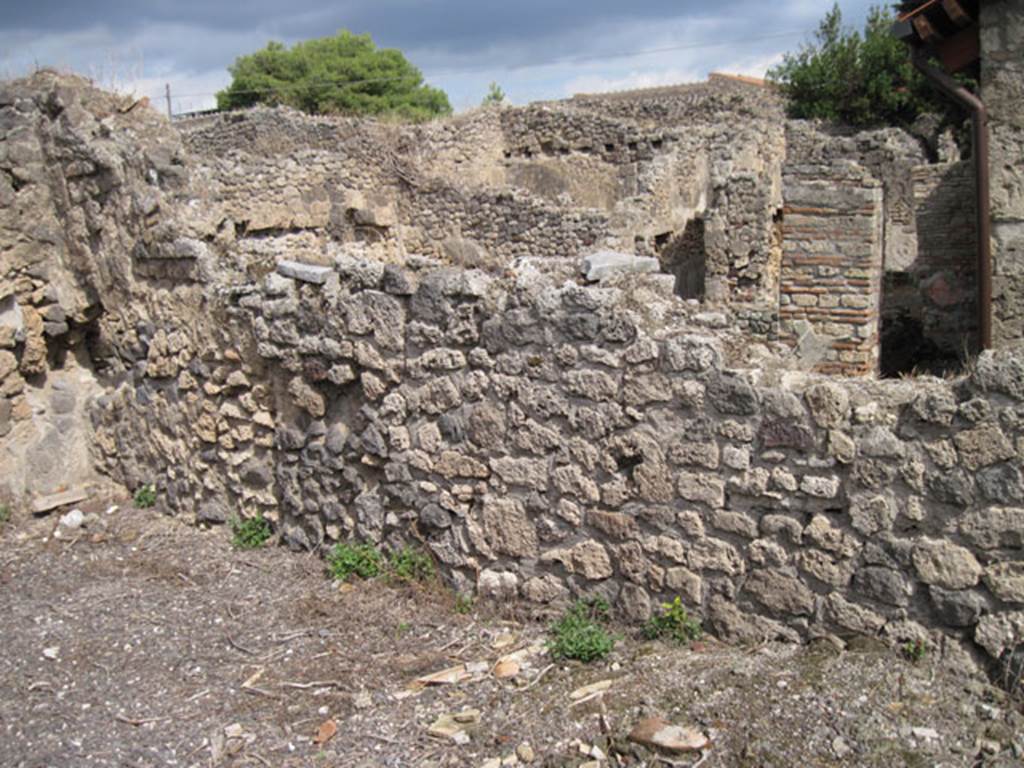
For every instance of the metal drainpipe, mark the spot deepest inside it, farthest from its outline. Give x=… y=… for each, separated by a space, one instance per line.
x=979 y=122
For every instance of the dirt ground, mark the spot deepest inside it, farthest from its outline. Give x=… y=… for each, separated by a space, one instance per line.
x=141 y=641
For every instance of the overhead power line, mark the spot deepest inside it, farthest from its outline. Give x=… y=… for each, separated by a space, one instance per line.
x=343 y=83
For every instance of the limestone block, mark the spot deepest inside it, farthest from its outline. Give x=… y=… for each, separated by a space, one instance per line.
x=544 y=589
x=829 y=404
x=994 y=527
x=851 y=616
x=592 y=384
x=780 y=592
x=713 y=555
x=707 y=489
x=588 y=558
x=306 y=397
x=604 y=264
x=871 y=512
x=455 y=464
x=1006 y=580
x=999 y=632
x=497 y=585
x=529 y=473
x=983 y=446
x=945 y=564
x=572 y=481
x=686 y=584
x=825 y=568
x=507 y=527
x=820 y=487
x=823 y=534
x=690 y=452
x=615 y=524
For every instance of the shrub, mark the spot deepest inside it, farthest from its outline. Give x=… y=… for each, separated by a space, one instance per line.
x=579 y=634
x=673 y=623
x=409 y=564
x=145 y=496
x=250 y=533
x=363 y=560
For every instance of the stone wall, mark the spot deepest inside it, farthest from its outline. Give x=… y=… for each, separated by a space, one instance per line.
x=546 y=442
x=541 y=438
x=1002 y=90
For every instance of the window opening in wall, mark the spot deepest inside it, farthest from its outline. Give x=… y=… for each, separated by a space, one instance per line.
x=684 y=256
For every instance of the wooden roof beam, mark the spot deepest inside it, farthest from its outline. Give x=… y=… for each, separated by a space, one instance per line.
x=957 y=13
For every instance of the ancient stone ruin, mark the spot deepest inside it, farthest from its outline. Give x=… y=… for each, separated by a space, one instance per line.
x=622 y=346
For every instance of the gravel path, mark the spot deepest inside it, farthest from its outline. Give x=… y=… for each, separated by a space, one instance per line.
x=140 y=641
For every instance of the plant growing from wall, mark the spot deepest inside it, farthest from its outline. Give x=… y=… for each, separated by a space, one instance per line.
x=580 y=633
x=5 y=515
x=145 y=496
x=859 y=78
x=344 y=73
x=250 y=532
x=495 y=96
x=673 y=623
x=915 y=651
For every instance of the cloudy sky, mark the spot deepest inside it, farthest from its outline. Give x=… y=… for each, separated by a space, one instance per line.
x=535 y=49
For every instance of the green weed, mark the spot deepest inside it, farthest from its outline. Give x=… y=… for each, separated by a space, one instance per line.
x=250 y=532
x=5 y=514
x=673 y=623
x=464 y=604
x=362 y=560
x=580 y=635
x=915 y=651
x=145 y=496
x=409 y=564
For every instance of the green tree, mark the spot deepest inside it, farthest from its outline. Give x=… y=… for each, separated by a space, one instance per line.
x=494 y=97
x=861 y=79
x=345 y=73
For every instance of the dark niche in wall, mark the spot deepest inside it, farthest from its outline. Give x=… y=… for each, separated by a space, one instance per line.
x=684 y=256
x=907 y=344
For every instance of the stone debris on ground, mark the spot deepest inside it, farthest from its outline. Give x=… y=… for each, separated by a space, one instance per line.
x=657 y=733
x=145 y=640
